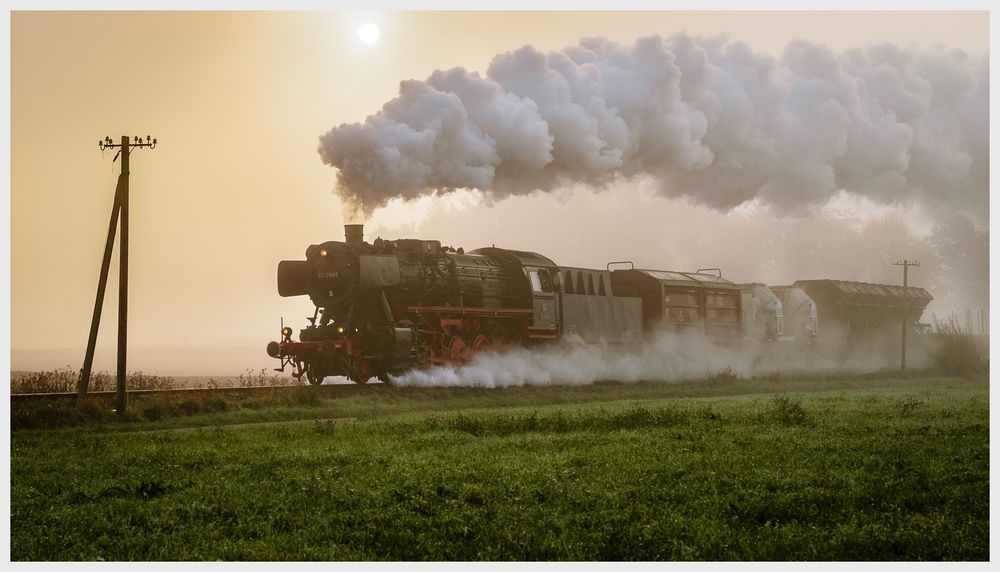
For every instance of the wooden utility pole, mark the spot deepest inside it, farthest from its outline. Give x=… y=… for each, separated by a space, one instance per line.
x=119 y=209
x=121 y=400
x=906 y=264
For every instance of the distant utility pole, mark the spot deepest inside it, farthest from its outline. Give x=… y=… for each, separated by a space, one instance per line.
x=120 y=207
x=906 y=264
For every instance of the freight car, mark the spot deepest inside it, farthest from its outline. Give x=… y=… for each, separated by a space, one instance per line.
x=684 y=302
x=857 y=314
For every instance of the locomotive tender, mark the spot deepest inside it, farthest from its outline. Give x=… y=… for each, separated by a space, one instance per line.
x=394 y=305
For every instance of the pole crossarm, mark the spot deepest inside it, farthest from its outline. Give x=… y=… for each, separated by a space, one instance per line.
x=119 y=216
x=108 y=143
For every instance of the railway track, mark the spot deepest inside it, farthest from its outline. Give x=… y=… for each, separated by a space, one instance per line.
x=335 y=390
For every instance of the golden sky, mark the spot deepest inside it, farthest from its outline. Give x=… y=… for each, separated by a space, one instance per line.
x=237 y=101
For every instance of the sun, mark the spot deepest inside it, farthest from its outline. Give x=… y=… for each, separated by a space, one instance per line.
x=368 y=33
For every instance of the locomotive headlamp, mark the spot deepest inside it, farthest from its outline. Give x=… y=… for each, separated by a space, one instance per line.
x=340 y=329
x=322 y=252
x=286 y=333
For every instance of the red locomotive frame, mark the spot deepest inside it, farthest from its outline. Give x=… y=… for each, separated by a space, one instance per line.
x=449 y=335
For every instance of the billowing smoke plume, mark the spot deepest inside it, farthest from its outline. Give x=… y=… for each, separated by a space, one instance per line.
x=703 y=117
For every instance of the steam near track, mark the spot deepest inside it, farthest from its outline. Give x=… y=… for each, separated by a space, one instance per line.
x=668 y=358
x=704 y=117
x=576 y=363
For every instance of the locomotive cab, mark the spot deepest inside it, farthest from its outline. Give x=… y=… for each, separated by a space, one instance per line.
x=535 y=283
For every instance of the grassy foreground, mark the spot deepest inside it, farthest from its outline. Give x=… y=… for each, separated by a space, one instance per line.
x=849 y=469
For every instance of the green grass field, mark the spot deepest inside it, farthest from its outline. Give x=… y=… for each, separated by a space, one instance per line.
x=866 y=468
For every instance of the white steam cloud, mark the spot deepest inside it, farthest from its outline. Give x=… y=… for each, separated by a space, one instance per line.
x=667 y=357
x=706 y=118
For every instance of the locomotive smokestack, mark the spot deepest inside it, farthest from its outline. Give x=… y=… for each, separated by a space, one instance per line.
x=354 y=233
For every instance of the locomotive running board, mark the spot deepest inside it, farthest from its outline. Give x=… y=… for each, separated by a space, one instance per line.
x=543 y=333
x=462 y=310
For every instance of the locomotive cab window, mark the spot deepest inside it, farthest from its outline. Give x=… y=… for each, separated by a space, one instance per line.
x=540 y=280
x=546 y=280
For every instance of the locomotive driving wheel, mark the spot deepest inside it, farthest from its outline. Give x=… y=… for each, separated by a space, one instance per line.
x=358 y=370
x=458 y=350
x=480 y=344
x=313 y=373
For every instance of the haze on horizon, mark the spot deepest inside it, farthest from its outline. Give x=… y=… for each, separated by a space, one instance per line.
x=238 y=101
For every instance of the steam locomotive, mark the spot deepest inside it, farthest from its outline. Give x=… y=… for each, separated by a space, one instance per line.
x=394 y=305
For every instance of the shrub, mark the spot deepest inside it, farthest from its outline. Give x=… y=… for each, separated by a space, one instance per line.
x=262 y=378
x=52 y=381
x=788 y=411
x=957 y=353
x=909 y=405
x=137 y=381
x=65 y=380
